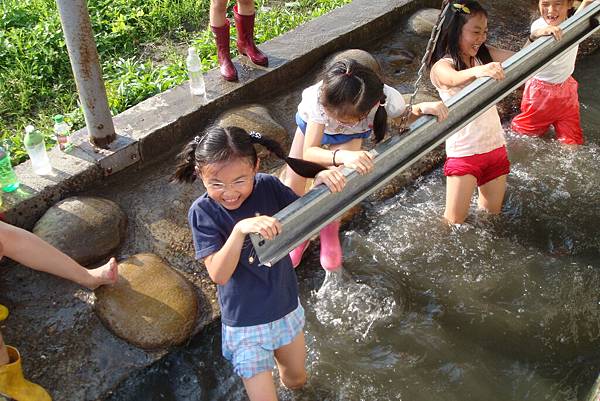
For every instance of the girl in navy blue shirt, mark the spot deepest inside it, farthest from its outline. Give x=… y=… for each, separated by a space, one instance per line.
x=261 y=317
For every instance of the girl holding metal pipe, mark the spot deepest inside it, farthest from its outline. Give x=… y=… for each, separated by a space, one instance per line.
x=550 y=97
x=348 y=105
x=476 y=155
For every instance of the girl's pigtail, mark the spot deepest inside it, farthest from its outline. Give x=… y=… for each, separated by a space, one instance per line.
x=185 y=171
x=380 y=121
x=301 y=167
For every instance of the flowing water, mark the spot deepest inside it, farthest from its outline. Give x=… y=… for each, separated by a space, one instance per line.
x=499 y=308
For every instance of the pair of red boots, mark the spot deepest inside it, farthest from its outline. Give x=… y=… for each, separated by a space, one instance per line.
x=244 y=25
x=331 y=249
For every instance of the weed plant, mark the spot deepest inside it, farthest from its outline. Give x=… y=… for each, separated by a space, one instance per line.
x=141 y=44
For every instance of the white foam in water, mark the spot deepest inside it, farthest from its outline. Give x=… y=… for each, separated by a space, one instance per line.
x=350 y=307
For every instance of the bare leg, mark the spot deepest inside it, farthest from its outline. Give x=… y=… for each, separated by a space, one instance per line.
x=291 y=360
x=218 y=8
x=3 y=354
x=261 y=387
x=293 y=180
x=459 y=190
x=19 y=245
x=246 y=7
x=491 y=195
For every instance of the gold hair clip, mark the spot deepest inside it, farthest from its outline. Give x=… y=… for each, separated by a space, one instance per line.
x=461 y=7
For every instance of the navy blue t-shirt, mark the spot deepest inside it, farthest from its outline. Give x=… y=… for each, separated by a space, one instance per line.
x=255 y=294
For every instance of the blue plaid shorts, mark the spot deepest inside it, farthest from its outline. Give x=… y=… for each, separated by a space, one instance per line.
x=251 y=349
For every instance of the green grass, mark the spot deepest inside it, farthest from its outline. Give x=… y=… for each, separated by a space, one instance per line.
x=141 y=43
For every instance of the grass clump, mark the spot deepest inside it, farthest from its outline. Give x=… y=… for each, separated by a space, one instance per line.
x=36 y=81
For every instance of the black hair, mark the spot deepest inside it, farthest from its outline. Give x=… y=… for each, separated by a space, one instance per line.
x=448 y=41
x=353 y=89
x=222 y=144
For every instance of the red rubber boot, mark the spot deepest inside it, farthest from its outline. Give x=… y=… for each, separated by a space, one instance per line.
x=227 y=69
x=245 y=38
x=331 y=249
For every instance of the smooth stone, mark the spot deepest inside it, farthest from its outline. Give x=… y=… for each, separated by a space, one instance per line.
x=151 y=306
x=86 y=228
x=362 y=57
x=255 y=117
x=423 y=21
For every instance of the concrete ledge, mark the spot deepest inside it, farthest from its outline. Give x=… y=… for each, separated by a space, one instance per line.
x=149 y=130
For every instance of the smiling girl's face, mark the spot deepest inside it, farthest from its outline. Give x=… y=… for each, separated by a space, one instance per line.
x=229 y=183
x=472 y=36
x=554 y=11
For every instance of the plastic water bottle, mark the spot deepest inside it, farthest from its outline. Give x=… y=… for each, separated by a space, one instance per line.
x=194 y=68
x=8 y=178
x=36 y=149
x=62 y=131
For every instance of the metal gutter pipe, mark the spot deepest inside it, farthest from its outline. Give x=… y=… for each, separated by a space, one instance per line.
x=318 y=207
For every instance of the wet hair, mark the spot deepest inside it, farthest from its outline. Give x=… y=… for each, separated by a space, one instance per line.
x=449 y=40
x=352 y=89
x=223 y=144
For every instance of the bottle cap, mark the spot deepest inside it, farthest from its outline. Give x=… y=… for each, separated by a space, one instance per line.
x=29 y=129
x=59 y=118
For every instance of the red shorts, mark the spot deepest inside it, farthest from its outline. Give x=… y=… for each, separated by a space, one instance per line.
x=546 y=104
x=484 y=167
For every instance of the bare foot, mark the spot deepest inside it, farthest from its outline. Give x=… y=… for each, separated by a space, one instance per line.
x=106 y=274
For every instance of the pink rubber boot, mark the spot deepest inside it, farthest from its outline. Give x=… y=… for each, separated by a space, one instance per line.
x=297 y=252
x=331 y=250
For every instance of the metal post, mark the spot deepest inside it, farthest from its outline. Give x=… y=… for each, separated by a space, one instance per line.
x=85 y=63
x=319 y=206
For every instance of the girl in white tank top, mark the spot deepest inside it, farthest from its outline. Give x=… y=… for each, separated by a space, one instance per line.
x=460 y=57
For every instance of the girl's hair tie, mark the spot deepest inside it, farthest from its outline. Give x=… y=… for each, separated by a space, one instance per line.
x=458 y=7
x=197 y=139
x=255 y=134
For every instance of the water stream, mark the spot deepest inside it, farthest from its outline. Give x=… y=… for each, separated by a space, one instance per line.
x=499 y=308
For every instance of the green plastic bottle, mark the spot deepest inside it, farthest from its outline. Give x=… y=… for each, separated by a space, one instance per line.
x=8 y=178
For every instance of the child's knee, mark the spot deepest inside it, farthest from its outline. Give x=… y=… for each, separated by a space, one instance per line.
x=294 y=382
x=245 y=2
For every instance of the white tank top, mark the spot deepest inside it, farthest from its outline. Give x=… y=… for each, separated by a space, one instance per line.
x=481 y=135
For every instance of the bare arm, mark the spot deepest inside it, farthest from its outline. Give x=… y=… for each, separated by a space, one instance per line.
x=437 y=109
x=443 y=74
x=222 y=264
x=312 y=150
x=359 y=160
x=584 y=4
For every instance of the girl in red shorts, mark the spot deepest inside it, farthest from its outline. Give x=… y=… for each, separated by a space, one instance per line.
x=476 y=155
x=550 y=97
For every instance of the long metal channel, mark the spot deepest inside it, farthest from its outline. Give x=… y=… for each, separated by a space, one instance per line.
x=318 y=207
x=83 y=54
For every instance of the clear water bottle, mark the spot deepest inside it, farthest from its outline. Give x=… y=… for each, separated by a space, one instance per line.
x=62 y=131
x=194 y=68
x=36 y=149
x=8 y=178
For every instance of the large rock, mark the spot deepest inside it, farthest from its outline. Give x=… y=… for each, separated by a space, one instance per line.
x=362 y=57
x=423 y=21
x=151 y=306
x=255 y=117
x=85 y=228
